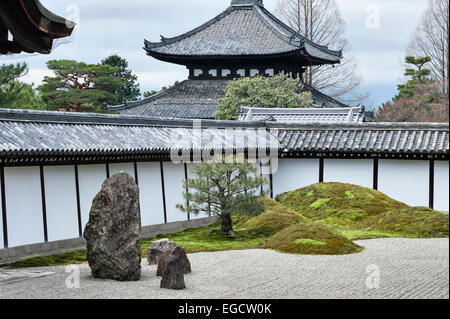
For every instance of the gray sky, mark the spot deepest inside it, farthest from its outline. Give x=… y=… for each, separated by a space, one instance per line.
x=118 y=26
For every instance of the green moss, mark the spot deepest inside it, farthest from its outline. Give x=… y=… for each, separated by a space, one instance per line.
x=311 y=193
x=338 y=204
x=307 y=241
x=275 y=218
x=78 y=257
x=304 y=239
x=418 y=222
x=350 y=195
x=320 y=202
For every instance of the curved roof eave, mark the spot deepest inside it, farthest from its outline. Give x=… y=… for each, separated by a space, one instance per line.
x=283 y=31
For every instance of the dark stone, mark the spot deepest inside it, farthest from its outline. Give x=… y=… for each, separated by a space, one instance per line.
x=173 y=277
x=157 y=249
x=180 y=252
x=113 y=233
x=162 y=258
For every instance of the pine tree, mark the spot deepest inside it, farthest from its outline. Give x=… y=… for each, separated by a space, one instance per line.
x=78 y=86
x=419 y=76
x=130 y=90
x=221 y=188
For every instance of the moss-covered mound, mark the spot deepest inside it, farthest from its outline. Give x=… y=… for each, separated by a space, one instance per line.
x=338 y=204
x=311 y=239
x=275 y=218
x=414 y=221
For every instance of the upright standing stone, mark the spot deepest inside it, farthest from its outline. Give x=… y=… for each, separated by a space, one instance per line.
x=180 y=252
x=113 y=232
x=173 y=277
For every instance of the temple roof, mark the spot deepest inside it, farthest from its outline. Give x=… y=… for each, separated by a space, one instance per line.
x=303 y=115
x=245 y=29
x=198 y=99
x=32 y=26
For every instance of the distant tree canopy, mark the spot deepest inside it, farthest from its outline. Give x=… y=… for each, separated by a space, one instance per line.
x=130 y=90
x=420 y=99
x=80 y=87
x=268 y=92
x=15 y=94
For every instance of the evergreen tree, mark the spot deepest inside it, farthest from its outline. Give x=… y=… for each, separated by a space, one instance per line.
x=278 y=91
x=130 y=90
x=78 y=86
x=223 y=187
x=419 y=76
x=15 y=94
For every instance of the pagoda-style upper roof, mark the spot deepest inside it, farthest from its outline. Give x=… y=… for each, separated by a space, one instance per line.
x=31 y=25
x=245 y=29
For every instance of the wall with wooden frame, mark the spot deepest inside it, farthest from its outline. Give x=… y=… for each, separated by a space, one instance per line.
x=49 y=203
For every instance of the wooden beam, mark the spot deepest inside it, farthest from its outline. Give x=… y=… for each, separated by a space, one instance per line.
x=163 y=191
x=187 y=190
x=44 y=204
x=321 y=170
x=136 y=175
x=77 y=191
x=375 y=174
x=431 y=185
x=3 y=195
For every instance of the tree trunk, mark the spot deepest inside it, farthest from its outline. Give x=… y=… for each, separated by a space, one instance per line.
x=227 y=224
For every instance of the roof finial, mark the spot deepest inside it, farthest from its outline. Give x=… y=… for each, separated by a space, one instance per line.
x=247 y=2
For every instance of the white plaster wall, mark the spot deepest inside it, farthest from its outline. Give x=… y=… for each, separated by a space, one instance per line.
x=405 y=181
x=150 y=193
x=293 y=174
x=91 y=178
x=1 y=220
x=122 y=167
x=441 y=187
x=358 y=172
x=61 y=202
x=173 y=184
x=24 y=206
x=192 y=175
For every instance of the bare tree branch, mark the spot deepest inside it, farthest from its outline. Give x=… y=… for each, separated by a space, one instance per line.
x=431 y=38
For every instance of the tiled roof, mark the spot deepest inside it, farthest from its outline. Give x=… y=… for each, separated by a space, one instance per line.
x=190 y=99
x=25 y=135
x=303 y=115
x=197 y=99
x=389 y=138
x=44 y=133
x=246 y=28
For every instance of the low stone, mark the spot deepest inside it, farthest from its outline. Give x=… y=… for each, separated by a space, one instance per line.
x=180 y=252
x=162 y=258
x=158 y=248
x=186 y=264
x=113 y=233
x=173 y=277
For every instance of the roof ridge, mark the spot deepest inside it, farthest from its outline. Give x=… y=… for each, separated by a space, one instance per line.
x=166 y=41
x=303 y=38
x=36 y=116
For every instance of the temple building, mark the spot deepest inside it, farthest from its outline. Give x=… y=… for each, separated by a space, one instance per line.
x=244 y=40
x=27 y=26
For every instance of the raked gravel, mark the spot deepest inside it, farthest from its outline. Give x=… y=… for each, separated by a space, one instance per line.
x=408 y=268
